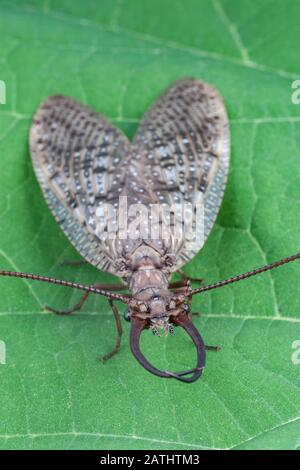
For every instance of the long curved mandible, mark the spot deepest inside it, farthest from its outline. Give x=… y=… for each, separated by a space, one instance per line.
x=138 y=325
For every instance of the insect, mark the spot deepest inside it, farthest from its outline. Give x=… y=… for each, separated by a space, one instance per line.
x=87 y=169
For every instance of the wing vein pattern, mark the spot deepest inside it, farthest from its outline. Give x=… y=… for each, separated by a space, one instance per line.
x=179 y=156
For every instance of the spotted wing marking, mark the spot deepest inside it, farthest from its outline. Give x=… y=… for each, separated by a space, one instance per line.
x=184 y=140
x=180 y=154
x=79 y=159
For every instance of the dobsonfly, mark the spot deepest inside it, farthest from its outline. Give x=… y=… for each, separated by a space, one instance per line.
x=87 y=169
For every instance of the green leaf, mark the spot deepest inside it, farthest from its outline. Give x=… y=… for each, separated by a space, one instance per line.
x=117 y=56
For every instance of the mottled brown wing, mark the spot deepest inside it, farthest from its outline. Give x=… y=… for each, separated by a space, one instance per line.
x=79 y=159
x=184 y=142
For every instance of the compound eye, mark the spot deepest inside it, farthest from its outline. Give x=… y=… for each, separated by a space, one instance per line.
x=127 y=314
x=186 y=308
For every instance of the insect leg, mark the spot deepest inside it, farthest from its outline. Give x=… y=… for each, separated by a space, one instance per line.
x=178 y=284
x=120 y=332
x=82 y=300
x=208 y=348
x=68 y=311
x=213 y=348
x=184 y=277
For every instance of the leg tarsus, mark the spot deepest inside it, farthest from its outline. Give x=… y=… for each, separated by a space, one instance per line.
x=213 y=348
x=79 y=304
x=197 y=314
x=68 y=311
x=120 y=332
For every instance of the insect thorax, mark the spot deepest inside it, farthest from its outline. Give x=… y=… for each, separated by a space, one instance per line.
x=145 y=267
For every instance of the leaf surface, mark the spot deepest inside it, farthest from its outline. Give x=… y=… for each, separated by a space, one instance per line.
x=117 y=57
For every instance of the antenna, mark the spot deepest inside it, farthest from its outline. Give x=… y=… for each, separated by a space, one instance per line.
x=240 y=277
x=51 y=280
